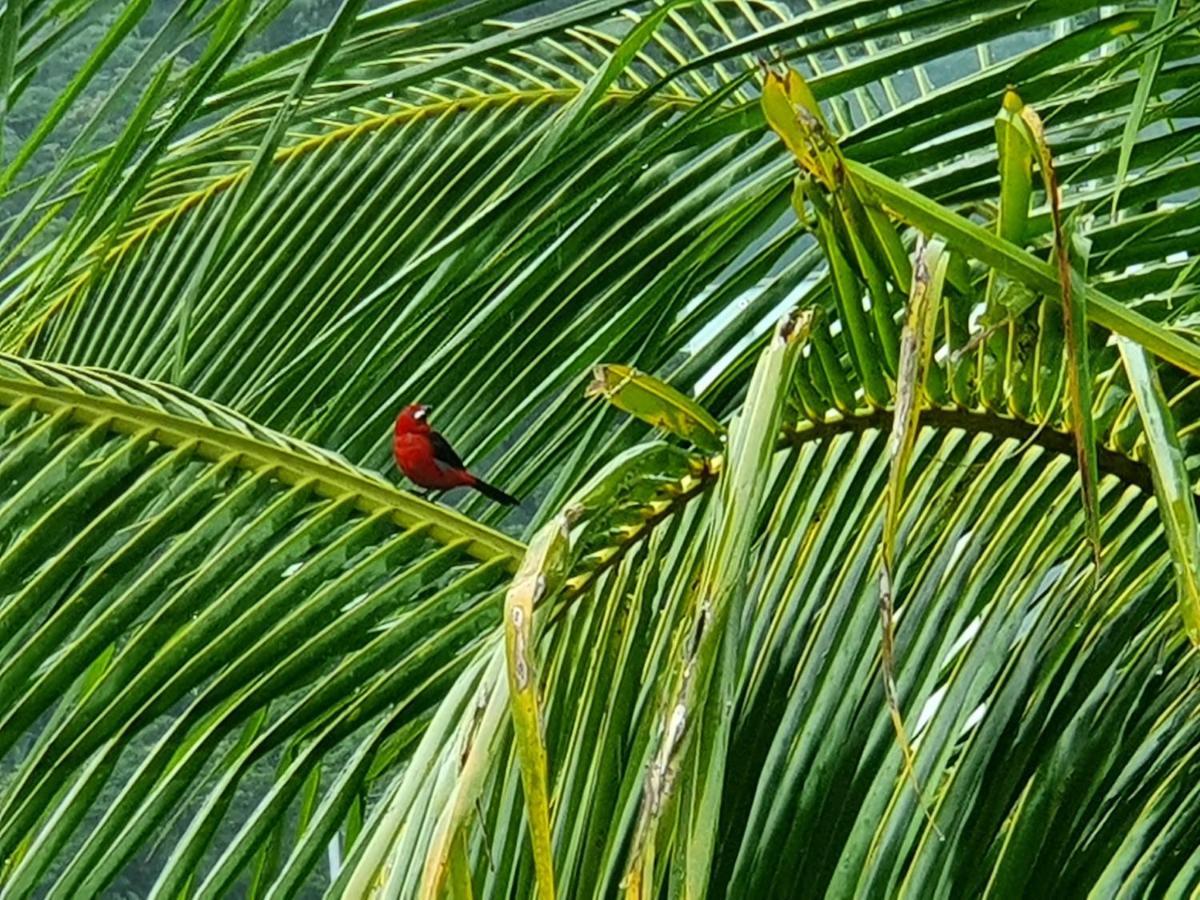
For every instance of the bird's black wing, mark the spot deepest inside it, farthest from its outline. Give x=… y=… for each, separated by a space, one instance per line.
x=443 y=452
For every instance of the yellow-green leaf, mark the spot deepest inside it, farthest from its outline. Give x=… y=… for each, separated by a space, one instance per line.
x=1016 y=171
x=460 y=869
x=656 y=402
x=792 y=111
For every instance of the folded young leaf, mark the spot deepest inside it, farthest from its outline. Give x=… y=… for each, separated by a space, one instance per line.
x=1016 y=170
x=792 y=111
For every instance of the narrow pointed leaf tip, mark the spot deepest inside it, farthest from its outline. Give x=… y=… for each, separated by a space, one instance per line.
x=657 y=403
x=1172 y=485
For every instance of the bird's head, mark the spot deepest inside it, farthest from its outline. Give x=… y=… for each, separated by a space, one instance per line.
x=413 y=419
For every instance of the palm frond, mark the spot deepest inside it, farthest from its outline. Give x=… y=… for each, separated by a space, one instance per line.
x=168 y=563
x=232 y=650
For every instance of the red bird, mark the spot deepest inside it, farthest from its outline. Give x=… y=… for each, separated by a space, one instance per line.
x=427 y=459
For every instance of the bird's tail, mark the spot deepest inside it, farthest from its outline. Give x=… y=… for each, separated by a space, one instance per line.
x=494 y=493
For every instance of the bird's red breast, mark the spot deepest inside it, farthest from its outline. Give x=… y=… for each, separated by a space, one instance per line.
x=416 y=459
x=415 y=446
x=427 y=459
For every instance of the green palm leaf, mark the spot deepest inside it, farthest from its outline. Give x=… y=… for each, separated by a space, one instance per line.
x=233 y=657
x=162 y=551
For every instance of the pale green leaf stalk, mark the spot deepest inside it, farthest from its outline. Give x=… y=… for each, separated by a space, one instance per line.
x=657 y=403
x=916 y=354
x=716 y=609
x=541 y=575
x=1172 y=485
